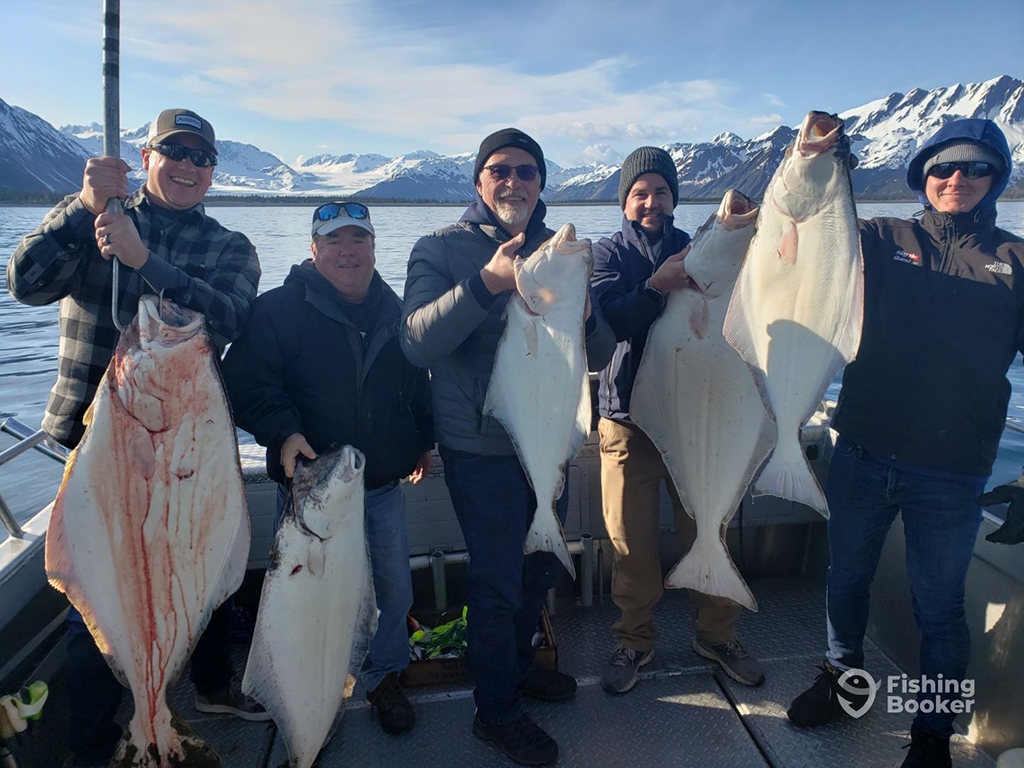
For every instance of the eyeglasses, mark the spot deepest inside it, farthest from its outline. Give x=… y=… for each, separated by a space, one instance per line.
x=500 y=172
x=329 y=211
x=200 y=157
x=971 y=169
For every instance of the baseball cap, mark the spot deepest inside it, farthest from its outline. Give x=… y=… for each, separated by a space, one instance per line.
x=172 y=122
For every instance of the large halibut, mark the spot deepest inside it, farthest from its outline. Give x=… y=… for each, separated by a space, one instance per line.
x=694 y=397
x=317 y=610
x=150 y=530
x=539 y=389
x=797 y=310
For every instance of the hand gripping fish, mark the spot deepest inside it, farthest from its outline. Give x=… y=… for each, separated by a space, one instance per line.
x=798 y=306
x=317 y=610
x=694 y=397
x=539 y=389
x=150 y=530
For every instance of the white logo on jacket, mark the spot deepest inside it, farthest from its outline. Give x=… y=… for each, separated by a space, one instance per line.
x=906 y=257
x=999 y=268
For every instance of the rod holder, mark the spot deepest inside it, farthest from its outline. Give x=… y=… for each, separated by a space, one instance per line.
x=587 y=583
x=600 y=573
x=440 y=585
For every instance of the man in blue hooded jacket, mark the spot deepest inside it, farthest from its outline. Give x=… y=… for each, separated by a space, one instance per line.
x=920 y=415
x=459 y=281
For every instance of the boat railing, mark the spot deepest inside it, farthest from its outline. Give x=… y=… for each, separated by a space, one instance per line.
x=27 y=440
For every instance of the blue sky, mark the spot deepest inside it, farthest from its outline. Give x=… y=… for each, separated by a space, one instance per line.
x=590 y=80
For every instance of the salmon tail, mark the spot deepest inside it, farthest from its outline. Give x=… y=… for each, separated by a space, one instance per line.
x=788 y=476
x=544 y=536
x=708 y=568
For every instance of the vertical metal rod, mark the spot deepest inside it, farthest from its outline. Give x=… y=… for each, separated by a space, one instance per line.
x=600 y=573
x=551 y=602
x=112 y=119
x=440 y=586
x=587 y=584
x=8 y=520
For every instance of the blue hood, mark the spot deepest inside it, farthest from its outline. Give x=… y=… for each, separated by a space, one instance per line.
x=983 y=131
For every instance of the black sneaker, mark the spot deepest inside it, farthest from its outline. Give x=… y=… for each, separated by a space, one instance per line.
x=819 y=704
x=522 y=740
x=734 y=659
x=548 y=685
x=624 y=668
x=231 y=701
x=394 y=709
x=927 y=751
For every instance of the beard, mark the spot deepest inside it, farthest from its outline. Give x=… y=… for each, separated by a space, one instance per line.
x=511 y=213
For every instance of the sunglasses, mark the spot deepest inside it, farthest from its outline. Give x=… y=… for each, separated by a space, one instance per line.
x=970 y=170
x=329 y=211
x=200 y=157
x=501 y=171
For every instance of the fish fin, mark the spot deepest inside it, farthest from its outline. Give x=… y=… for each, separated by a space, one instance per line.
x=788 y=476
x=366 y=621
x=709 y=569
x=186 y=747
x=848 y=343
x=532 y=344
x=789 y=243
x=541 y=538
x=699 y=318
x=584 y=415
x=736 y=327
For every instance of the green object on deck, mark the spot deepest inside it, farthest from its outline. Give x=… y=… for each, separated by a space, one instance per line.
x=447 y=640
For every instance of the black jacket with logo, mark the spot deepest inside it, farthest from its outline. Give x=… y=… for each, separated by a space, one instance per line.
x=943 y=320
x=303 y=365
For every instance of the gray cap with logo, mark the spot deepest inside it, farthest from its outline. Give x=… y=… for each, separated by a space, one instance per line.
x=173 y=122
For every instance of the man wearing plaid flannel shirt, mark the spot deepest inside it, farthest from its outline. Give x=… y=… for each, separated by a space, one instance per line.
x=167 y=243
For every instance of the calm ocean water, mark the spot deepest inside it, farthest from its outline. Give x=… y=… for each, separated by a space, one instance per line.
x=29 y=335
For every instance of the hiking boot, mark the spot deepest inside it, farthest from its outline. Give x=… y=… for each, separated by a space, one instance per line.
x=734 y=659
x=393 y=708
x=522 y=740
x=819 y=704
x=231 y=701
x=548 y=685
x=622 y=671
x=927 y=751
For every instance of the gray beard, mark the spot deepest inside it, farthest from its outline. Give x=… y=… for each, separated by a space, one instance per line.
x=509 y=214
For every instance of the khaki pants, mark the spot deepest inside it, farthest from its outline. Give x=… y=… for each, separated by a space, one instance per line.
x=632 y=471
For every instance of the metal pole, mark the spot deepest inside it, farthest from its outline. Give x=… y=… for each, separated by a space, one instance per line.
x=600 y=573
x=587 y=584
x=440 y=587
x=112 y=119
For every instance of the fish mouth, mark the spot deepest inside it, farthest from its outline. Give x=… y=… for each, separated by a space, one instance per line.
x=819 y=133
x=736 y=211
x=165 y=323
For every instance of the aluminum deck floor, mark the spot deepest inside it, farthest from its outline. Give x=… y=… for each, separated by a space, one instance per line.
x=681 y=713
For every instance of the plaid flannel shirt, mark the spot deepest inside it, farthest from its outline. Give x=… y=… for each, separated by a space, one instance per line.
x=213 y=271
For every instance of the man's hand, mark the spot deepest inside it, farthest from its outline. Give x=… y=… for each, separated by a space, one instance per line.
x=116 y=235
x=1012 y=531
x=671 y=274
x=105 y=177
x=422 y=468
x=293 y=446
x=498 y=274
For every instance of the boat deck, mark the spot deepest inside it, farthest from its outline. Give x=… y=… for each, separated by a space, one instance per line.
x=682 y=713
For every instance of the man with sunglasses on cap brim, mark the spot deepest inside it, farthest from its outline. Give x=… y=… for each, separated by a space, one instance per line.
x=459 y=281
x=166 y=242
x=920 y=414
x=634 y=270
x=320 y=366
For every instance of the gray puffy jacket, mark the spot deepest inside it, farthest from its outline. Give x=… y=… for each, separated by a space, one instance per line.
x=452 y=325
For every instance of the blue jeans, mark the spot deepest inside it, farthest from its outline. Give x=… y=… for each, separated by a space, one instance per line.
x=388 y=540
x=941 y=521
x=506 y=589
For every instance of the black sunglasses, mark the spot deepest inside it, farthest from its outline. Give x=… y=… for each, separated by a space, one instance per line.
x=329 y=211
x=500 y=172
x=200 y=157
x=971 y=169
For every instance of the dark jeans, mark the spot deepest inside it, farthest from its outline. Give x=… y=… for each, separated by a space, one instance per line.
x=94 y=694
x=941 y=521
x=506 y=589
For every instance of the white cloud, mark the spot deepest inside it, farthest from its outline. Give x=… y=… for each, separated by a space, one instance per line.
x=774 y=100
x=774 y=119
x=601 y=153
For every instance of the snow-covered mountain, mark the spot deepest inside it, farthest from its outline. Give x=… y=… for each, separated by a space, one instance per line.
x=35 y=157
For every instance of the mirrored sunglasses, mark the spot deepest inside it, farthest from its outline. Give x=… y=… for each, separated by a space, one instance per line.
x=200 y=157
x=329 y=211
x=971 y=169
x=500 y=172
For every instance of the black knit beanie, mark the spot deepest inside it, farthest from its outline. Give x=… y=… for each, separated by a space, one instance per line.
x=509 y=137
x=648 y=160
